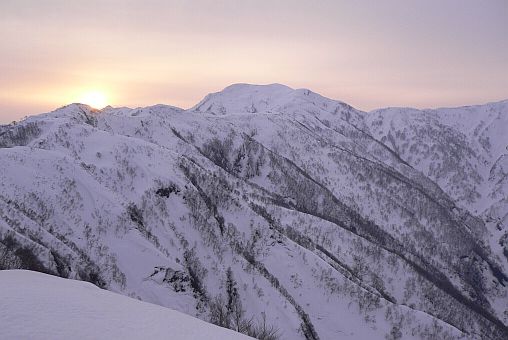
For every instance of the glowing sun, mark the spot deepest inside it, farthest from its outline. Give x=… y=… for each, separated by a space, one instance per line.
x=95 y=99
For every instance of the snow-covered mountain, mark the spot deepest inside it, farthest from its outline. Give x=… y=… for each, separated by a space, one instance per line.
x=264 y=205
x=40 y=306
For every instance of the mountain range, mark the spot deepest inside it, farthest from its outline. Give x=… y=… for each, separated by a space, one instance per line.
x=266 y=207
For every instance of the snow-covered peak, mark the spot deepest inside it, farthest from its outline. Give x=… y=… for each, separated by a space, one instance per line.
x=244 y=98
x=277 y=99
x=75 y=111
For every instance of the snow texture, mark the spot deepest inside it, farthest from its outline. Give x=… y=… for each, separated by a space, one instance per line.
x=40 y=306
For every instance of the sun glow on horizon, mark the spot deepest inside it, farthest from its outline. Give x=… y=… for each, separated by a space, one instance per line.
x=369 y=54
x=95 y=99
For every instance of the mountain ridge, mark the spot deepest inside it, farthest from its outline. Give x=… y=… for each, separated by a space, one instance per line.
x=253 y=88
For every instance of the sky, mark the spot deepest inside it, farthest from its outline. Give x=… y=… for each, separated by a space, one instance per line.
x=370 y=54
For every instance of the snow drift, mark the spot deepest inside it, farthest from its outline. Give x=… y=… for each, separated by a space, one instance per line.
x=40 y=306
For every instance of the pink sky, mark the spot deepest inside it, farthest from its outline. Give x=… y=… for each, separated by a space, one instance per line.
x=369 y=54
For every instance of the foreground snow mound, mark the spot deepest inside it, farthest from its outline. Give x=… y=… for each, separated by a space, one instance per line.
x=40 y=306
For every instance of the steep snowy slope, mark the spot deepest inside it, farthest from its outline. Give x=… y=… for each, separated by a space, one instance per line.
x=39 y=306
x=456 y=147
x=464 y=150
x=260 y=205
